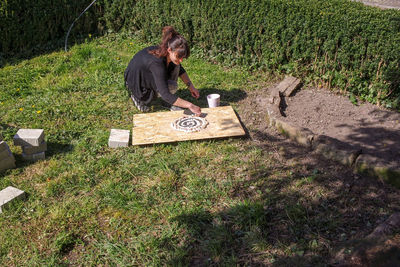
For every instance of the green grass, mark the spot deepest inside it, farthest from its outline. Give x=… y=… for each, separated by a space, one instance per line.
x=216 y=202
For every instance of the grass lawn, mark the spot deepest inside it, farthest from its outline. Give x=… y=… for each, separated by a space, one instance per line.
x=216 y=202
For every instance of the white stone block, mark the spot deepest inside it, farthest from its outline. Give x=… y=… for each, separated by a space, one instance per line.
x=29 y=137
x=27 y=150
x=9 y=194
x=33 y=157
x=7 y=163
x=118 y=138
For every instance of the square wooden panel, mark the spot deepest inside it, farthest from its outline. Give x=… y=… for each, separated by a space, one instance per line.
x=154 y=128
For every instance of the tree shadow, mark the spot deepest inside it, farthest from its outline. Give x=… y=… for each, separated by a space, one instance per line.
x=281 y=221
x=292 y=208
x=227 y=98
x=380 y=142
x=57 y=45
x=296 y=211
x=53 y=149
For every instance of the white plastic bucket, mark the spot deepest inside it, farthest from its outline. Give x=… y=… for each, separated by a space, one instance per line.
x=213 y=100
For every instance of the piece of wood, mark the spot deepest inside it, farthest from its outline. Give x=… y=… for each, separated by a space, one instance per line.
x=289 y=85
x=153 y=128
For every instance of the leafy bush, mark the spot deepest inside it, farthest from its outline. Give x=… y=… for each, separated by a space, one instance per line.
x=27 y=25
x=337 y=43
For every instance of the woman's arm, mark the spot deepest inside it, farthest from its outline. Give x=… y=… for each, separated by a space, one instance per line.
x=185 y=78
x=186 y=104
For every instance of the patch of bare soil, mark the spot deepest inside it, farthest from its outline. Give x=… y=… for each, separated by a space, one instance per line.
x=359 y=204
x=365 y=126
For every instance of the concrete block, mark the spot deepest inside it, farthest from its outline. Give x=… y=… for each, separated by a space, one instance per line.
x=7 y=163
x=28 y=150
x=29 y=137
x=34 y=157
x=118 y=138
x=9 y=194
x=3 y=146
x=5 y=154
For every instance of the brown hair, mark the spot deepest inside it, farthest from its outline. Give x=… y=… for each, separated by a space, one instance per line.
x=172 y=39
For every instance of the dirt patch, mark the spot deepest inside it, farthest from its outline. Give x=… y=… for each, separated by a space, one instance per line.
x=356 y=200
x=375 y=131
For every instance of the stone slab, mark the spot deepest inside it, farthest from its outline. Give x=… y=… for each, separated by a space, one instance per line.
x=29 y=137
x=3 y=146
x=290 y=84
x=34 y=157
x=343 y=156
x=7 y=163
x=9 y=194
x=28 y=150
x=118 y=138
x=333 y=149
x=374 y=167
x=5 y=154
x=301 y=135
x=284 y=89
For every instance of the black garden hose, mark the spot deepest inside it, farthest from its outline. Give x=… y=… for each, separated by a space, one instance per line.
x=66 y=38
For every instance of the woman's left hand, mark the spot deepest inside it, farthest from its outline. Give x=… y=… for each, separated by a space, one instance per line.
x=195 y=93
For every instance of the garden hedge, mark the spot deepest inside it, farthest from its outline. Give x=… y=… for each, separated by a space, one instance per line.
x=340 y=44
x=337 y=43
x=27 y=25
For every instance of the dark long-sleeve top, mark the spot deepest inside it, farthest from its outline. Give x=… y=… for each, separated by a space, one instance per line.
x=147 y=74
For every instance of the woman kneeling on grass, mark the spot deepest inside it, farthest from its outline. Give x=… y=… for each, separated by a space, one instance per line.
x=155 y=69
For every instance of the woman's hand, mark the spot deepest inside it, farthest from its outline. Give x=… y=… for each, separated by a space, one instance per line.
x=195 y=109
x=195 y=93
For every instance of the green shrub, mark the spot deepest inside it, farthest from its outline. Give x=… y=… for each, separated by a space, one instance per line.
x=27 y=25
x=337 y=43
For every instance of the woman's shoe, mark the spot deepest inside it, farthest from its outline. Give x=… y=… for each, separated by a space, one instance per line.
x=139 y=105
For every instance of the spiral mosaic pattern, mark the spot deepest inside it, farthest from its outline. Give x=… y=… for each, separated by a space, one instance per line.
x=189 y=124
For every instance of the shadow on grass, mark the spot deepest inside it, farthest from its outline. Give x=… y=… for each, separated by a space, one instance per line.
x=297 y=211
x=40 y=50
x=58 y=148
x=227 y=97
x=53 y=148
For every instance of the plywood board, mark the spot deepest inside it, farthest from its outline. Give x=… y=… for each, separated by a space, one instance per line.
x=153 y=128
